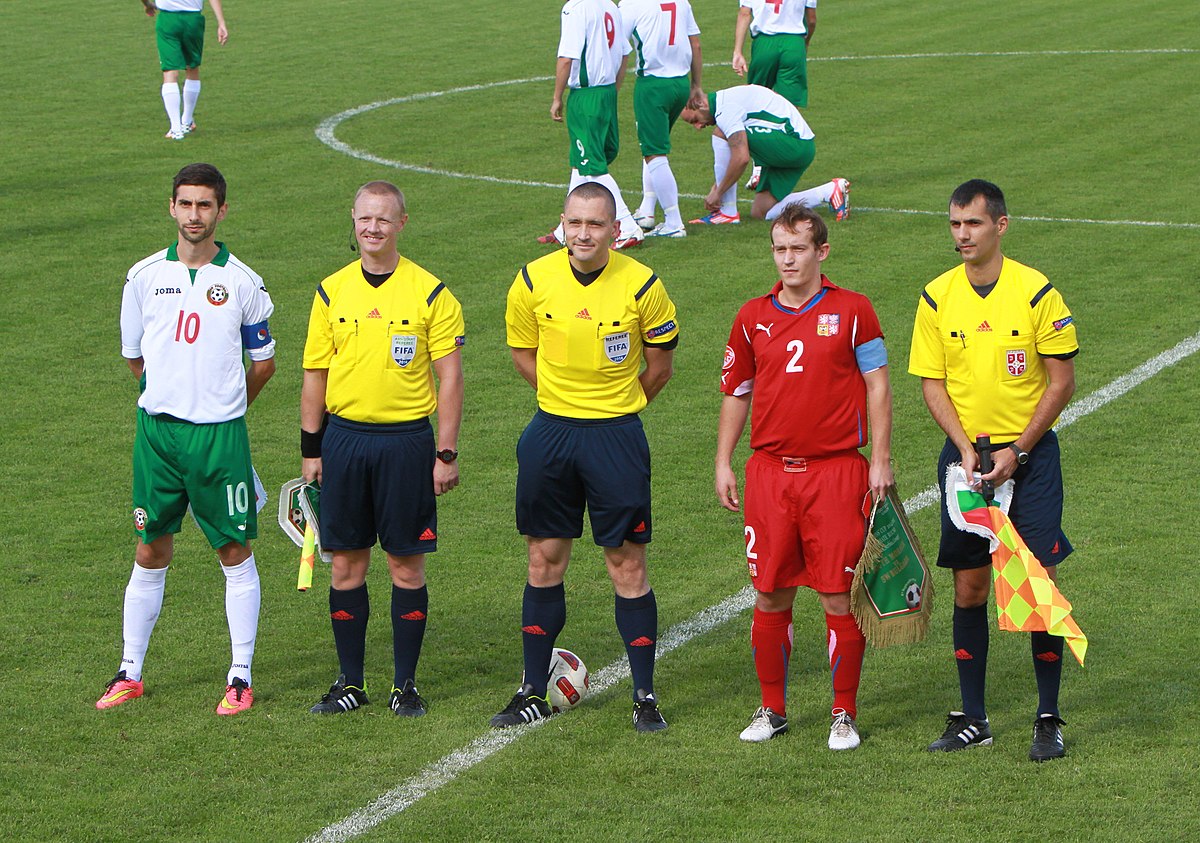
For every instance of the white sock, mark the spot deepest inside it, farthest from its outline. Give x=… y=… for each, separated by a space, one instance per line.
x=170 y=98
x=649 y=199
x=667 y=191
x=243 y=596
x=628 y=226
x=720 y=165
x=191 y=93
x=814 y=197
x=143 y=602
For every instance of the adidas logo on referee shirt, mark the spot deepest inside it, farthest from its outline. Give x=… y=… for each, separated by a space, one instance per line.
x=583 y=314
x=374 y=314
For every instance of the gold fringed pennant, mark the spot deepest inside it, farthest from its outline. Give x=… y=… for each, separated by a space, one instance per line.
x=892 y=592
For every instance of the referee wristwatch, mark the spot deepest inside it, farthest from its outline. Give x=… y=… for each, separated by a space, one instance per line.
x=1022 y=456
x=449 y=455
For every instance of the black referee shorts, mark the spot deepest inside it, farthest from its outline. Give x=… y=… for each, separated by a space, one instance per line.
x=565 y=464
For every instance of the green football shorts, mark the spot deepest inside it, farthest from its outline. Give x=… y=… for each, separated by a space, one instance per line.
x=783 y=159
x=592 y=128
x=176 y=463
x=780 y=62
x=180 y=37
x=657 y=103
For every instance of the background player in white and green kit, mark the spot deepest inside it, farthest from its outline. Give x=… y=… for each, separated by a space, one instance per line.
x=188 y=313
x=751 y=121
x=591 y=63
x=179 y=31
x=666 y=41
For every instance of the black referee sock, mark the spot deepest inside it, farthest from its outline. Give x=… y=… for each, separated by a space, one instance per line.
x=1047 y=669
x=543 y=616
x=637 y=621
x=349 y=610
x=410 y=606
x=971 y=651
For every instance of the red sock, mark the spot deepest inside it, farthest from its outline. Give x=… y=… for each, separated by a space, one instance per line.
x=846 y=648
x=771 y=644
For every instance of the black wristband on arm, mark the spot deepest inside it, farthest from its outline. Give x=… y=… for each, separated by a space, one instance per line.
x=310 y=443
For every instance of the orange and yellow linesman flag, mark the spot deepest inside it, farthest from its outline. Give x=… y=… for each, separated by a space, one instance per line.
x=1027 y=600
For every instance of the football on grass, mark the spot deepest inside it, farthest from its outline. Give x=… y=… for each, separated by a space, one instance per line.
x=568 y=680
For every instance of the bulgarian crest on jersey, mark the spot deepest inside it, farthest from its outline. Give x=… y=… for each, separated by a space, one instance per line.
x=616 y=347
x=217 y=295
x=828 y=324
x=139 y=519
x=404 y=348
x=1016 y=362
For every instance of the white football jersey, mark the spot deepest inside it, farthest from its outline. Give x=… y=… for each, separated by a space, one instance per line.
x=757 y=110
x=660 y=35
x=180 y=5
x=592 y=38
x=777 y=17
x=192 y=334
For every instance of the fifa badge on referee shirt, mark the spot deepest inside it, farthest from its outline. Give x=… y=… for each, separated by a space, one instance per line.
x=404 y=347
x=616 y=346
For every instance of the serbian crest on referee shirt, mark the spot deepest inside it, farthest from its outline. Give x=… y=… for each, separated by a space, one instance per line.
x=404 y=348
x=827 y=324
x=616 y=346
x=217 y=295
x=1016 y=362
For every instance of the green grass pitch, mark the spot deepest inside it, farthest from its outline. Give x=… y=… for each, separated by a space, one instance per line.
x=1086 y=112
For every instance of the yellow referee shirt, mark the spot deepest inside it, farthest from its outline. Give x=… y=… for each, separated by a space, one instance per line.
x=989 y=350
x=378 y=342
x=589 y=339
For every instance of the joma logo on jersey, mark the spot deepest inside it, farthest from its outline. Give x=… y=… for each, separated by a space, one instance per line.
x=167 y=291
x=1016 y=362
x=828 y=324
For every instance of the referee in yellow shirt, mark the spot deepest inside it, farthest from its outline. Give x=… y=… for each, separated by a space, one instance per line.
x=994 y=346
x=581 y=322
x=380 y=330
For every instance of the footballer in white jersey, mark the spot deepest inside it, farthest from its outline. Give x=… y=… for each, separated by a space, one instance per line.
x=591 y=38
x=192 y=333
x=778 y=17
x=187 y=314
x=661 y=35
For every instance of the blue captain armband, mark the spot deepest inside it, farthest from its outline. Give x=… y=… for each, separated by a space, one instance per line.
x=871 y=355
x=256 y=336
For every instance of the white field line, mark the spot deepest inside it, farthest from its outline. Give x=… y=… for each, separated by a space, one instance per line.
x=326 y=131
x=461 y=760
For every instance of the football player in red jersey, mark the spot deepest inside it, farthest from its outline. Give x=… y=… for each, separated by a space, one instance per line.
x=811 y=357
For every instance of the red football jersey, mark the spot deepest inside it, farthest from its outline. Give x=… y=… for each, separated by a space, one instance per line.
x=810 y=399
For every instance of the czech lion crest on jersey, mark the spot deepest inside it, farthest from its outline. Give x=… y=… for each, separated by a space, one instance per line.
x=1016 y=362
x=217 y=295
x=828 y=324
x=404 y=348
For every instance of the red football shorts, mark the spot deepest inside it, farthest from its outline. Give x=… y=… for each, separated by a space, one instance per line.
x=806 y=520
